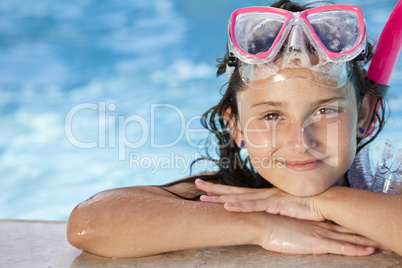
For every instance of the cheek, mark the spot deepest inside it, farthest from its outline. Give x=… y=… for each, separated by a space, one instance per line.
x=259 y=134
x=339 y=131
x=348 y=128
x=266 y=163
x=341 y=141
x=261 y=148
x=349 y=142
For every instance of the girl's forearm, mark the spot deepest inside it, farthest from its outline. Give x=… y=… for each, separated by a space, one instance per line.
x=142 y=221
x=373 y=215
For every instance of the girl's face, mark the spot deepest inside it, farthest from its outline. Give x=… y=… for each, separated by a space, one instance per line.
x=300 y=136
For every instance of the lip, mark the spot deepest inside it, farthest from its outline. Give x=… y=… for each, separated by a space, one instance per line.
x=307 y=165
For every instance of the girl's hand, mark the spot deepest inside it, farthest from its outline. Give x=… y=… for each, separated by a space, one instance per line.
x=293 y=236
x=289 y=235
x=272 y=200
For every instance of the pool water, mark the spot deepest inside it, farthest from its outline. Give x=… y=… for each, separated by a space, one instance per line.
x=103 y=94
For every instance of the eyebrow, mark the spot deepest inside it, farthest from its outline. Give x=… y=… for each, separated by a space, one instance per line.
x=320 y=102
x=283 y=104
x=269 y=103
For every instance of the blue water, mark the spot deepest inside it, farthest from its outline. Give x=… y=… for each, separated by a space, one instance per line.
x=102 y=94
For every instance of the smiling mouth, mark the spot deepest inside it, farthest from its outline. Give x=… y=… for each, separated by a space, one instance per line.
x=303 y=165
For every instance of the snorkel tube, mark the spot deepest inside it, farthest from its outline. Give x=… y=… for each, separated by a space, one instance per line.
x=386 y=55
x=387 y=50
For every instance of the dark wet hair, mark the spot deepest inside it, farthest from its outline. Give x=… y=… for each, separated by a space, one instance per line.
x=235 y=169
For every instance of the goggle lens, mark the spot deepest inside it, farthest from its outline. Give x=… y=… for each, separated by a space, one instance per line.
x=337 y=30
x=256 y=32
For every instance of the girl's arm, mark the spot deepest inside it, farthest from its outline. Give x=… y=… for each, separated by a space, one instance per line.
x=146 y=220
x=141 y=221
x=374 y=215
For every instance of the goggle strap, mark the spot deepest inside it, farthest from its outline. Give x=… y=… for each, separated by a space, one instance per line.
x=231 y=64
x=232 y=60
x=363 y=55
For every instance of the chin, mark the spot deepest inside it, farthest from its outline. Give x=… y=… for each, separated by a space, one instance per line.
x=307 y=193
x=306 y=189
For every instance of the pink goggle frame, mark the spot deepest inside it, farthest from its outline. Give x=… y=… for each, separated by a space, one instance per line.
x=290 y=17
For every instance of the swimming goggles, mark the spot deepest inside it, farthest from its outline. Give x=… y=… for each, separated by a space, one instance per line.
x=267 y=41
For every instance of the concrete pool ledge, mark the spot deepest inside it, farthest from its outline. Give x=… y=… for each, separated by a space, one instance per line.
x=43 y=244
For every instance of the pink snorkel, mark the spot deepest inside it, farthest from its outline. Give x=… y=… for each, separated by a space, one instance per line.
x=387 y=50
x=386 y=54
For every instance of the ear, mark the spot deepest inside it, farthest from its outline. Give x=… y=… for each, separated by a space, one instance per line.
x=366 y=111
x=234 y=128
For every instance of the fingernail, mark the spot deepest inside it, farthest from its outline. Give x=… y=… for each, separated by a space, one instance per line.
x=199 y=181
x=231 y=206
x=205 y=198
x=369 y=248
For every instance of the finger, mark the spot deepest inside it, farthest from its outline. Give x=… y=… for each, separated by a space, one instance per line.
x=349 y=237
x=334 y=228
x=235 y=207
x=211 y=199
x=341 y=229
x=257 y=201
x=359 y=240
x=253 y=206
x=219 y=189
x=270 y=206
x=348 y=249
x=248 y=206
x=222 y=199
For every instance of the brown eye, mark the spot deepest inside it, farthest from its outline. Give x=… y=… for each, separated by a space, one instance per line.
x=327 y=111
x=323 y=111
x=272 y=116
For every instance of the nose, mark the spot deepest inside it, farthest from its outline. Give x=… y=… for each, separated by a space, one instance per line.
x=296 y=54
x=300 y=137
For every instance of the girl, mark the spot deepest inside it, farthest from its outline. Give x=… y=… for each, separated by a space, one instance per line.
x=298 y=103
